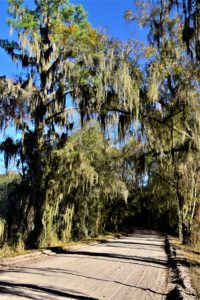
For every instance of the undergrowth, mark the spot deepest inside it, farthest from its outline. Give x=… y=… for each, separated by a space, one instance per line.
x=10 y=250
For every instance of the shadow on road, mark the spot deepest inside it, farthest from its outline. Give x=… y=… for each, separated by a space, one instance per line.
x=59 y=250
x=5 y=288
x=38 y=292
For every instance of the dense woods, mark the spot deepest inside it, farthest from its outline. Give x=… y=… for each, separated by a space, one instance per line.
x=105 y=141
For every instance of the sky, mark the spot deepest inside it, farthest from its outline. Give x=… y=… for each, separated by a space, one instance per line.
x=104 y=14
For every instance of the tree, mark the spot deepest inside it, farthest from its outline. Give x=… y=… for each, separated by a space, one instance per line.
x=62 y=55
x=170 y=112
x=83 y=188
x=173 y=126
x=47 y=39
x=155 y=14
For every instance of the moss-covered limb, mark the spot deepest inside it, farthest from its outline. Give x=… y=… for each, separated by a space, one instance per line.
x=158 y=19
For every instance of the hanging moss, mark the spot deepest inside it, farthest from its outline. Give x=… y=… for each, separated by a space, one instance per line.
x=79 y=187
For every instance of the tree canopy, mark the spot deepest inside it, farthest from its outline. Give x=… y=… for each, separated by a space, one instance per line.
x=77 y=183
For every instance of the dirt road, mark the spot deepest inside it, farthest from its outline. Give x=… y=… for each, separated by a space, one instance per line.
x=133 y=267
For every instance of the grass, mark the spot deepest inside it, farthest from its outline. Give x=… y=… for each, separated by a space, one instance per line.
x=192 y=254
x=195 y=277
x=187 y=248
x=8 y=251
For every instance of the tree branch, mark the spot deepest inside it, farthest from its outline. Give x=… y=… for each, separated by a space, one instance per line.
x=59 y=113
x=54 y=94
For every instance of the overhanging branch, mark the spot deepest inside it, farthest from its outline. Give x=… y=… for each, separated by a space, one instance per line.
x=59 y=113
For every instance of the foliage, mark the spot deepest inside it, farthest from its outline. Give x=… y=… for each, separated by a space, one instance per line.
x=7 y=220
x=158 y=16
x=74 y=182
x=63 y=56
x=170 y=116
x=81 y=186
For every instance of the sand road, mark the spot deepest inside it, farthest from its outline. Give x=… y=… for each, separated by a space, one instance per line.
x=132 y=267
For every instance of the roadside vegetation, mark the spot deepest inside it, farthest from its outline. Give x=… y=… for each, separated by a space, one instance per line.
x=104 y=142
x=191 y=254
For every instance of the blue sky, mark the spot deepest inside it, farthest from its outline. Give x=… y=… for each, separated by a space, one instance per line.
x=105 y=14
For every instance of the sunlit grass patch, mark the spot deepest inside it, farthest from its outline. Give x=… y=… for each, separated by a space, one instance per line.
x=8 y=251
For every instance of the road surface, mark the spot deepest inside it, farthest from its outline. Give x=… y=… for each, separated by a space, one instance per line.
x=132 y=267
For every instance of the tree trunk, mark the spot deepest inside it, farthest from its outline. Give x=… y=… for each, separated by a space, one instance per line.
x=186 y=233
x=184 y=227
x=180 y=217
x=37 y=197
